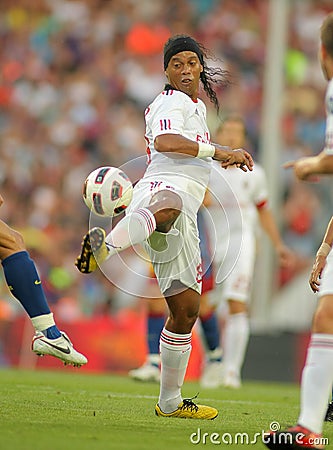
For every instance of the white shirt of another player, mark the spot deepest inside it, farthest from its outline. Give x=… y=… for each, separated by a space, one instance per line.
x=173 y=112
x=235 y=197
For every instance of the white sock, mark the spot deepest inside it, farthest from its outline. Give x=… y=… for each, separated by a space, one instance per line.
x=131 y=230
x=235 y=340
x=316 y=385
x=175 y=352
x=41 y=323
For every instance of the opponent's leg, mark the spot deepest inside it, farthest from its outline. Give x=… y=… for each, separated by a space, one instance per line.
x=25 y=285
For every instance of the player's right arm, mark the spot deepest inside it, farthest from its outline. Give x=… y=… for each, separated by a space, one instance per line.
x=176 y=143
x=166 y=121
x=321 y=164
x=305 y=168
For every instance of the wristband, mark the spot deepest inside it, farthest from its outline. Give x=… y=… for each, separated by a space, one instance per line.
x=324 y=250
x=205 y=150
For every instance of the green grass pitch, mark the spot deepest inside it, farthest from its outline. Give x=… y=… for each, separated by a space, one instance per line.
x=68 y=410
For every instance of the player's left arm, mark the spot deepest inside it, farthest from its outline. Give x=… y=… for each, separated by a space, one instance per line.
x=267 y=219
x=269 y=225
x=321 y=257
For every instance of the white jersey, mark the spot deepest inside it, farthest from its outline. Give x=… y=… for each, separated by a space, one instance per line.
x=235 y=196
x=232 y=216
x=173 y=112
x=175 y=255
x=329 y=119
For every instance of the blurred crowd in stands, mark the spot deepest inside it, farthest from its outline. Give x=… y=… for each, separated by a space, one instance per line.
x=75 y=79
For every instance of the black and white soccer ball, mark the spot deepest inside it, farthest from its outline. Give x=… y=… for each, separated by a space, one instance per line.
x=107 y=191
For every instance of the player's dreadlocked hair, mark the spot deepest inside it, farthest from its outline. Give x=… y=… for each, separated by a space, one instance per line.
x=209 y=75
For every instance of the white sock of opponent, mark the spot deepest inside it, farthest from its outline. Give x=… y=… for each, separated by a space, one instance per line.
x=175 y=352
x=235 y=340
x=316 y=385
x=131 y=230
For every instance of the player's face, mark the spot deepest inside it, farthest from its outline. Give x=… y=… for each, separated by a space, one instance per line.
x=183 y=73
x=232 y=134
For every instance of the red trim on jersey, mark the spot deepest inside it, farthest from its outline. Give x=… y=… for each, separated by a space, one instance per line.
x=148 y=151
x=261 y=204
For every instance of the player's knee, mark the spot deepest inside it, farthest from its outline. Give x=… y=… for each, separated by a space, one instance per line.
x=184 y=319
x=166 y=207
x=191 y=318
x=184 y=326
x=166 y=204
x=166 y=199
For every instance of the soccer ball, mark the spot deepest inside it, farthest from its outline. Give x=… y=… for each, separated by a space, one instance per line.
x=107 y=191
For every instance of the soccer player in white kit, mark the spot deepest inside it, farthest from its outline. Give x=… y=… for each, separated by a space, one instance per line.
x=237 y=203
x=162 y=215
x=317 y=375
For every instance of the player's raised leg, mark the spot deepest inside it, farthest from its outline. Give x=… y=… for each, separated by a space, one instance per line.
x=131 y=230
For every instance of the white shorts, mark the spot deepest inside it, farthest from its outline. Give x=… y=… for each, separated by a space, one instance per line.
x=237 y=284
x=326 y=282
x=175 y=255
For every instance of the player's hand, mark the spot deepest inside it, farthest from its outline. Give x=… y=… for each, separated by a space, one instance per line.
x=1 y=200
x=317 y=270
x=239 y=158
x=303 y=168
x=287 y=258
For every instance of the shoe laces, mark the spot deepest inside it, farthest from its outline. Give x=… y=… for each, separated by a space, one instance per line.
x=189 y=405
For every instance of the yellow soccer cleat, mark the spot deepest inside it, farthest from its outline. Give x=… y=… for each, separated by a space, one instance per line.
x=189 y=410
x=94 y=251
